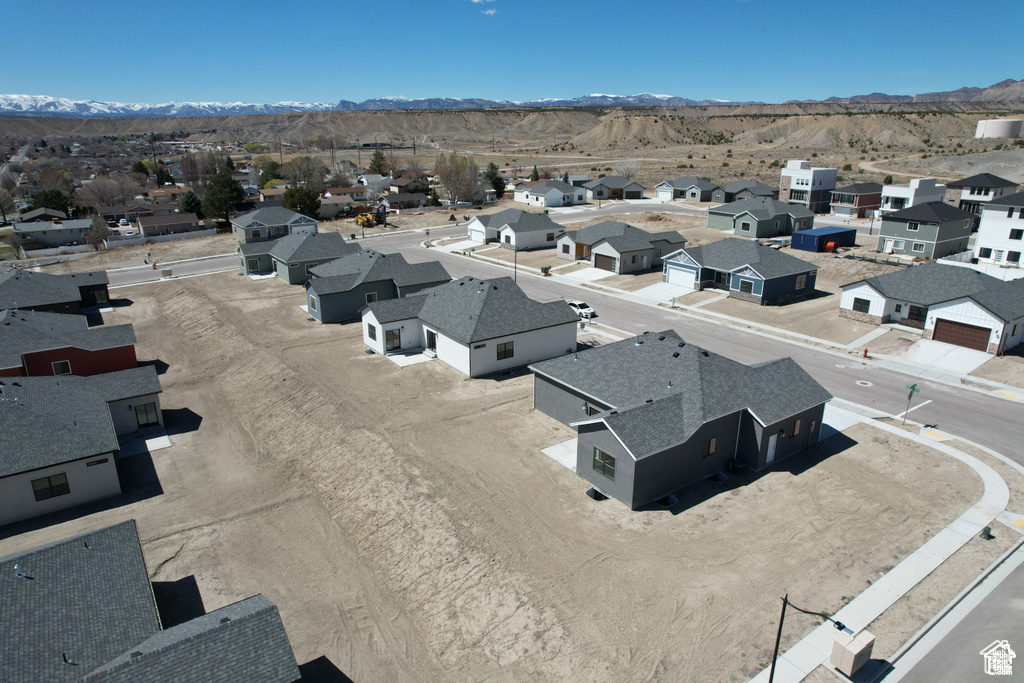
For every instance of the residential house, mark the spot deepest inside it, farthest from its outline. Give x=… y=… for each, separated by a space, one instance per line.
x=340 y=289
x=58 y=437
x=168 y=194
x=948 y=303
x=395 y=202
x=56 y=233
x=332 y=207
x=1000 y=239
x=856 y=200
x=34 y=344
x=971 y=193
x=272 y=193
x=760 y=217
x=614 y=187
x=29 y=290
x=271 y=222
x=374 y=183
x=744 y=189
x=356 y=193
x=83 y=609
x=655 y=414
x=408 y=185
x=928 y=231
x=550 y=193
x=43 y=214
x=618 y=247
x=476 y=326
x=807 y=185
x=687 y=188
x=171 y=224
x=515 y=229
x=132 y=211
x=917 y=191
x=579 y=180
x=293 y=257
x=746 y=269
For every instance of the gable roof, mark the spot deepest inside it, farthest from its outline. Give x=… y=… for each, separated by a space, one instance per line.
x=26 y=289
x=40 y=226
x=733 y=253
x=33 y=331
x=689 y=181
x=611 y=182
x=623 y=237
x=930 y=212
x=545 y=186
x=271 y=216
x=756 y=187
x=762 y=209
x=473 y=310
x=983 y=180
x=519 y=221
x=30 y=216
x=348 y=272
x=662 y=389
x=311 y=246
x=49 y=420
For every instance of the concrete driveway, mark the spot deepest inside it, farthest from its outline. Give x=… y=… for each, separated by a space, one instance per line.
x=587 y=275
x=664 y=291
x=944 y=357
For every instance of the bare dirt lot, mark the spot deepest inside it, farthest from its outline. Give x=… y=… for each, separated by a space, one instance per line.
x=409 y=529
x=1008 y=369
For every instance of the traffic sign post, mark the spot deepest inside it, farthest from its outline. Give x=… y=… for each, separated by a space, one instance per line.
x=913 y=390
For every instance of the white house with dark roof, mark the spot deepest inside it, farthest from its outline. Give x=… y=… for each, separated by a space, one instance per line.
x=971 y=193
x=271 y=222
x=618 y=247
x=655 y=414
x=1000 y=238
x=550 y=193
x=514 y=229
x=687 y=188
x=478 y=327
x=917 y=191
x=614 y=187
x=948 y=303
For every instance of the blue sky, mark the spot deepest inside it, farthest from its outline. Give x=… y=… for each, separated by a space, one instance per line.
x=259 y=51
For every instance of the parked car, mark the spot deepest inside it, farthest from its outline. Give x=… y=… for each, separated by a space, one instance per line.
x=582 y=309
x=123 y=221
x=128 y=233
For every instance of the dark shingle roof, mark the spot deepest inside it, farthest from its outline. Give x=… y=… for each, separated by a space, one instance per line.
x=520 y=221
x=686 y=386
x=473 y=310
x=930 y=212
x=41 y=226
x=983 y=180
x=623 y=237
x=859 y=188
x=756 y=187
x=762 y=208
x=688 y=181
x=32 y=215
x=272 y=215
x=399 y=197
x=733 y=253
x=1016 y=199
x=611 y=181
x=348 y=272
x=49 y=420
x=244 y=641
x=32 y=331
x=310 y=246
x=90 y=604
x=170 y=219
x=27 y=289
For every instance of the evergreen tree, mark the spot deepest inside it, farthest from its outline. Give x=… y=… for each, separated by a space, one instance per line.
x=433 y=199
x=565 y=177
x=222 y=193
x=190 y=203
x=535 y=175
x=139 y=167
x=378 y=163
x=229 y=165
x=887 y=180
x=302 y=200
x=51 y=199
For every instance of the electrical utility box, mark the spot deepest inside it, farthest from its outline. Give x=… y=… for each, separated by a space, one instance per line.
x=850 y=653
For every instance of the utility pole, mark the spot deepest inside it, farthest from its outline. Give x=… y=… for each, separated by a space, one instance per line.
x=280 y=149
x=332 y=151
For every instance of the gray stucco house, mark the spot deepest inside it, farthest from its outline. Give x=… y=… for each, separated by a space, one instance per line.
x=760 y=217
x=655 y=414
x=618 y=247
x=293 y=257
x=687 y=188
x=269 y=223
x=339 y=290
x=928 y=231
x=744 y=189
x=83 y=609
x=747 y=269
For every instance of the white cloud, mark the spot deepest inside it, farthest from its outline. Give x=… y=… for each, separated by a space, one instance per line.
x=489 y=12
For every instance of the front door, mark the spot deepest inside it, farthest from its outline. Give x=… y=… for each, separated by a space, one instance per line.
x=431 y=341
x=888 y=246
x=772 y=441
x=393 y=340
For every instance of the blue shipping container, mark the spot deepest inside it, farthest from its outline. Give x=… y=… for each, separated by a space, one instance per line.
x=816 y=239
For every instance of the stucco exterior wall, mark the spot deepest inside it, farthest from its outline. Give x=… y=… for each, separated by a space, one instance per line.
x=561 y=402
x=529 y=347
x=122 y=413
x=17 y=500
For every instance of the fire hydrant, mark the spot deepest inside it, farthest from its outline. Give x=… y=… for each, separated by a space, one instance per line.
x=865 y=353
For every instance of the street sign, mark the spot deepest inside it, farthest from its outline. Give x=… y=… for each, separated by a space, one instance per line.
x=913 y=389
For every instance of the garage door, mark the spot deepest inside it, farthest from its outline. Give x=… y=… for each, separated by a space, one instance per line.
x=634 y=194
x=962 y=335
x=477 y=235
x=605 y=262
x=681 y=276
x=665 y=195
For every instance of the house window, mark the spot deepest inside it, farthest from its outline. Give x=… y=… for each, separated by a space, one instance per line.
x=146 y=415
x=912 y=227
x=861 y=305
x=51 y=487
x=918 y=247
x=604 y=463
x=1009 y=212
x=1013 y=257
x=745 y=227
x=312 y=303
x=796 y=428
x=565 y=248
x=917 y=313
x=62 y=367
x=392 y=340
x=634 y=259
x=506 y=350
x=371 y=332
x=591 y=410
x=899 y=244
x=256 y=234
x=746 y=286
x=551 y=237
x=801 y=281
x=657 y=253
x=709 y=447
x=1016 y=234
x=985 y=252
x=899 y=308
x=371 y=297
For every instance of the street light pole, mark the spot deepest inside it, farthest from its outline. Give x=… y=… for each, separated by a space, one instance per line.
x=778 y=638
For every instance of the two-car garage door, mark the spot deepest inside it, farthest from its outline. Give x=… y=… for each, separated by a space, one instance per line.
x=606 y=262
x=961 y=334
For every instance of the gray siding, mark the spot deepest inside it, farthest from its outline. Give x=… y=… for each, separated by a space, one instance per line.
x=560 y=402
x=264 y=264
x=781 y=288
x=598 y=436
x=720 y=221
x=754 y=439
x=346 y=305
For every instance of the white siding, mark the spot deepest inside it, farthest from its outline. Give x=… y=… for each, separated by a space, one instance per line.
x=530 y=347
x=967 y=312
x=122 y=413
x=453 y=352
x=994 y=234
x=87 y=484
x=375 y=344
x=862 y=290
x=527 y=240
x=476 y=230
x=563 y=240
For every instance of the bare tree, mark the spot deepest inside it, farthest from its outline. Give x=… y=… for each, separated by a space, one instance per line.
x=15 y=243
x=56 y=179
x=98 y=233
x=414 y=169
x=627 y=169
x=189 y=166
x=6 y=204
x=8 y=181
x=339 y=179
x=301 y=171
x=107 y=190
x=458 y=175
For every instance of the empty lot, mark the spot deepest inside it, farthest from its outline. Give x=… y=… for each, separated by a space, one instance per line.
x=408 y=527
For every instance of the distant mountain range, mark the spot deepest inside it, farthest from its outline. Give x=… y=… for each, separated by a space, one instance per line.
x=45 y=106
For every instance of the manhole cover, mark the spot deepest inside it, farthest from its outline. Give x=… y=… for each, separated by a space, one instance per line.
x=864 y=383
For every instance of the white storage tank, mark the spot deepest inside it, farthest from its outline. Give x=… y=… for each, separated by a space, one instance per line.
x=998 y=128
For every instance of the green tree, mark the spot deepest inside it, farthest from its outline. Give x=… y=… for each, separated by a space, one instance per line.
x=535 y=176
x=565 y=177
x=433 y=199
x=229 y=165
x=98 y=233
x=139 y=167
x=222 y=193
x=491 y=172
x=51 y=199
x=499 y=186
x=302 y=200
x=6 y=204
x=887 y=180
x=190 y=203
x=378 y=163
